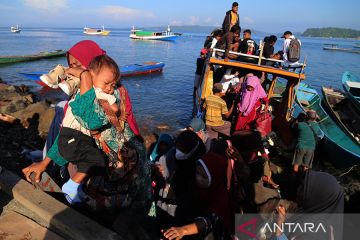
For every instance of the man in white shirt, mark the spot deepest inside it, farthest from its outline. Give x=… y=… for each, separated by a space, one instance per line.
x=288 y=37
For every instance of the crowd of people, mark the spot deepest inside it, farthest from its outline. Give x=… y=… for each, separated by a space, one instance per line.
x=228 y=39
x=193 y=184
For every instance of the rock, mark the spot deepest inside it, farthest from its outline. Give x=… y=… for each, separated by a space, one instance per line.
x=13 y=106
x=23 y=88
x=45 y=121
x=352 y=197
x=163 y=127
x=9 y=93
x=32 y=112
x=13 y=99
x=7 y=118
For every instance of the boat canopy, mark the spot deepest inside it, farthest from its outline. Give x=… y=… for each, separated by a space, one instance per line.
x=144 y=33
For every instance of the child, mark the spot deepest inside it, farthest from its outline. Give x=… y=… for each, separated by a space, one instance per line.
x=76 y=142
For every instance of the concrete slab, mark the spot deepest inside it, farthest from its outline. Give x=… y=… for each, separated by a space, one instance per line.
x=14 y=226
x=64 y=220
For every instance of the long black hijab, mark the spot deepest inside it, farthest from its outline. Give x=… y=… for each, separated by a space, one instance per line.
x=321 y=200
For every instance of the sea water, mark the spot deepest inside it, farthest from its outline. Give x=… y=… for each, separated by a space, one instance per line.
x=166 y=98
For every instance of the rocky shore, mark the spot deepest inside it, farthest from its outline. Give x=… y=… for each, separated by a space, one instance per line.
x=24 y=124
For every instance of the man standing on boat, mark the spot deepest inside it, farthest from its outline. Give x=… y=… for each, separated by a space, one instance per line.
x=291 y=49
x=231 y=19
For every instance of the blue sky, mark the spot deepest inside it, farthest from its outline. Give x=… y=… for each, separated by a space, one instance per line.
x=264 y=15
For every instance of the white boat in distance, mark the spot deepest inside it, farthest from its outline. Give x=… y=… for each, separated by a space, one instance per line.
x=94 y=31
x=15 y=29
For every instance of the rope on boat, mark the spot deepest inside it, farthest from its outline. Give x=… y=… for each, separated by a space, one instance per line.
x=343 y=174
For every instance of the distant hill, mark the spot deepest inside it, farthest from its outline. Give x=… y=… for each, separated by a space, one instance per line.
x=332 y=32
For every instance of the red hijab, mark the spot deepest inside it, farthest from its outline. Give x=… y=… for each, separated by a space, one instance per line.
x=216 y=198
x=85 y=51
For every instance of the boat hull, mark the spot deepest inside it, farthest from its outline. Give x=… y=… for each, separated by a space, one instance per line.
x=160 y=38
x=96 y=32
x=25 y=58
x=137 y=69
x=348 y=76
x=342 y=49
x=103 y=33
x=341 y=150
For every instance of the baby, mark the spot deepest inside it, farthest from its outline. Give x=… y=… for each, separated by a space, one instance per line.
x=70 y=84
x=76 y=143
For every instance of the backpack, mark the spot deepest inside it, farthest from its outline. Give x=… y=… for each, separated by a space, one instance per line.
x=294 y=50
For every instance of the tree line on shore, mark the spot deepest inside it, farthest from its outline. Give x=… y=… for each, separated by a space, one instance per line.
x=332 y=32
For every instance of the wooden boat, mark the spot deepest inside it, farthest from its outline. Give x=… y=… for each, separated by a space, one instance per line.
x=351 y=85
x=335 y=47
x=34 y=76
x=146 y=35
x=32 y=57
x=341 y=108
x=126 y=71
x=342 y=149
x=282 y=113
x=140 y=69
x=15 y=29
x=94 y=31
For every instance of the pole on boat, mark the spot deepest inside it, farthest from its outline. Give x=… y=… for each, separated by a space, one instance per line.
x=261 y=51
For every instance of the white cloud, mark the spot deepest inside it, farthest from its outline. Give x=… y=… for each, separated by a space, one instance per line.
x=208 y=20
x=248 y=20
x=123 y=13
x=194 y=20
x=47 y=5
x=176 y=23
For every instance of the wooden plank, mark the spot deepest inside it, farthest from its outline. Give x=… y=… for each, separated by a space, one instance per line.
x=262 y=68
x=68 y=222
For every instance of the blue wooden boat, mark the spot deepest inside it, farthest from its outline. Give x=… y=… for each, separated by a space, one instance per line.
x=351 y=85
x=342 y=149
x=34 y=76
x=126 y=71
x=140 y=69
